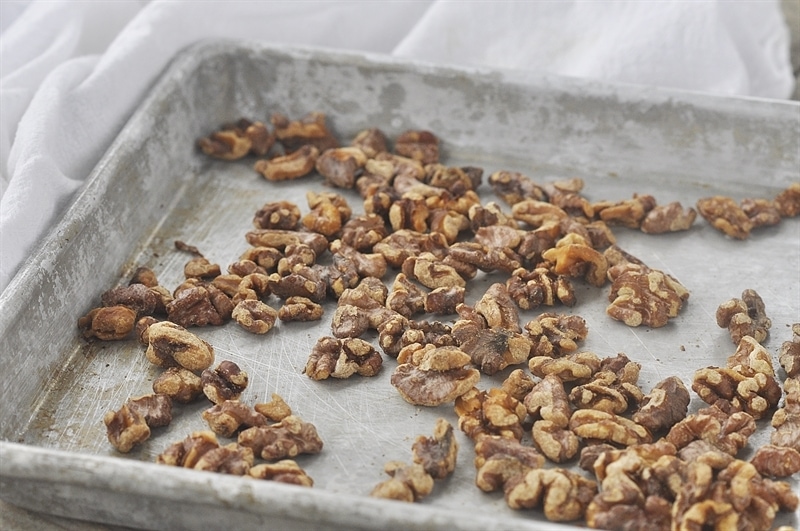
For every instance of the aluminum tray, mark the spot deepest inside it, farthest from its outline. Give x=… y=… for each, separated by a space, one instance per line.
x=153 y=187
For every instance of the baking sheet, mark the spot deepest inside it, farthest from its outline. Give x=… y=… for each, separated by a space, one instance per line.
x=153 y=188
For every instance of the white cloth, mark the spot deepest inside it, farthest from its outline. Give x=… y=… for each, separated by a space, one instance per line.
x=72 y=72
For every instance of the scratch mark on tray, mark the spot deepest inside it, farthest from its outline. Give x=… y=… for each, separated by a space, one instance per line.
x=656 y=361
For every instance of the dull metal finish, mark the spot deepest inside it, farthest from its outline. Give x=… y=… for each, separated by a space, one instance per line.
x=153 y=187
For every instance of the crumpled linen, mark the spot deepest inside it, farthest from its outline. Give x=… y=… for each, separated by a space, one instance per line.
x=74 y=71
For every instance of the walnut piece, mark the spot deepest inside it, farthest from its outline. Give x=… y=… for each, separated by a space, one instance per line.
x=342 y=358
x=577 y=367
x=530 y=289
x=725 y=215
x=255 y=316
x=408 y=483
x=431 y=376
x=789 y=353
x=643 y=296
x=437 y=454
x=744 y=317
x=283 y=471
x=728 y=433
x=234 y=141
x=419 y=145
x=108 y=323
x=786 y=420
x=601 y=426
x=665 y=405
x=171 y=344
x=574 y=257
x=283 y=215
x=788 y=201
x=288 y=438
x=126 y=428
x=776 y=461
x=668 y=218
x=275 y=410
x=300 y=309
x=311 y=129
x=181 y=385
x=490 y=413
x=563 y=495
x=555 y=335
x=226 y=382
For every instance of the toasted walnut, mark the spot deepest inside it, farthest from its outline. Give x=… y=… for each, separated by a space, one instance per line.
x=361 y=308
x=776 y=461
x=300 y=309
x=409 y=212
x=745 y=317
x=371 y=142
x=329 y=212
x=484 y=257
x=339 y=166
x=668 y=218
x=288 y=438
x=497 y=308
x=284 y=471
x=555 y=335
x=279 y=239
x=789 y=353
x=188 y=452
x=548 y=400
x=728 y=433
x=725 y=215
x=742 y=387
x=400 y=245
x=500 y=460
x=491 y=349
x=518 y=384
x=201 y=267
x=563 y=495
x=332 y=357
x=155 y=408
x=283 y=215
x=275 y=410
x=108 y=323
x=788 y=201
x=405 y=297
x=422 y=146
x=171 y=344
x=612 y=389
x=761 y=212
x=577 y=367
x=574 y=257
x=234 y=141
x=432 y=272
x=200 y=306
x=530 y=289
x=629 y=212
x=786 y=420
x=295 y=254
x=445 y=300
x=181 y=385
x=363 y=232
x=431 y=376
x=664 y=406
x=399 y=332
x=254 y=316
x=437 y=454
x=537 y=213
x=226 y=382
x=303 y=281
x=492 y=413
x=493 y=227
x=607 y=427
x=558 y=444
x=138 y=297
x=408 y=483
x=643 y=296
x=266 y=258
x=514 y=187
x=227 y=417
x=311 y=129
x=126 y=428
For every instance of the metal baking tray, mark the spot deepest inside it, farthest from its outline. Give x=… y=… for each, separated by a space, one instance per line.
x=153 y=187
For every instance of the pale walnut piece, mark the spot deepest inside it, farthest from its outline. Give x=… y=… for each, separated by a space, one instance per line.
x=725 y=215
x=437 y=454
x=788 y=201
x=574 y=257
x=226 y=382
x=776 y=461
x=288 y=438
x=284 y=471
x=255 y=316
x=300 y=309
x=432 y=375
x=789 y=353
x=761 y=212
x=628 y=212
x=745 y=389
x=786 y=420
x=668 y=218
x=329 y=212
x=518 y=384
x=181 y=385
x=171 y=344
x=279 y=239
x=408 y=483
x=664 y=406
x=744 y=317
x=643 y=296
x=342 y=358
x=187 y=453
x=548 y=400
x=578 y=367
x=607 y=427
x=227 y=417
x=490 y=413
x=558 y=444
x=562 y=495
x=229 y=459
x=275 y=410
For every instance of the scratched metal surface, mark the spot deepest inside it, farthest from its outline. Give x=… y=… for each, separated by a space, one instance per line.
x=153 y=188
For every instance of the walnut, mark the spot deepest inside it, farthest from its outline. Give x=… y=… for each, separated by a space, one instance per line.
x=725 y=215
x=254 y=316
x=252 y=287
x=126 y=428
x=456 y=180
x=492 y=349
x=776 y=461
x=284 y=471
x=629 y=212
x=445 y=300
x=665 y=405
x=743 y=387
x=226 y=382
x=311 y=129
x=400 y=245
x=744 y=317
x=108 y=323
x=574 y=257
x=279 y=239
x=761 y=212
x=555 y=335
x=422 y=146
x=339 y=166
x=171 y=344
x=283 y=215
x=300 y=309
x=518 y=384
x=181 y=385
x=329 y=212
x=577 y=367
x=437 y=454
x=548 y=400
x=493 y=227
x=361 y=308
x=786 y=420
x=399 y=332
x=234 y=141
x=482 y=414
x=409 y=212
x=448 y=223
x=155 y=408
x=200 y=267
x=432 y=272
x=601 y=426
x=405 y=297
x=612 y=389
x=294 y=255
x=431 y=376
x=332 y=357
x=227 y=417
x=188 y=452
x=537 y=213
x=728 y=433
x=200 y=306
x=303 y=281
x=363 y=232
x=643 y=296
x=529 y=289
x=668 y=218
x=500 y=461
x=789 y=353
x=275 y=410
x=371 y=142
x=788 y=201
x=408 y=483
x=365 y=264
x=288 y=438
x=563 y=495
x=484 y=257
x=265 y=257
x=497 y=308
x=558 y=444
x=138 y=297
x=514 y=187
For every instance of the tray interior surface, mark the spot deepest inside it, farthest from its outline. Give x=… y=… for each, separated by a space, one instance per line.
x=481 y=121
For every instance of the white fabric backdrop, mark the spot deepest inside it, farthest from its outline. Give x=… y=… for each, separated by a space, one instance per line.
x=72 y=72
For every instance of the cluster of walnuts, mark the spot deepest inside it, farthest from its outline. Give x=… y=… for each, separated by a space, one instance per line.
x=424 y=224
